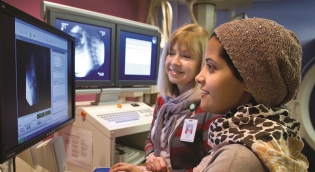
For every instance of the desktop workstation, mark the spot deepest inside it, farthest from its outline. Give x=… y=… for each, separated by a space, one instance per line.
x=34 y=53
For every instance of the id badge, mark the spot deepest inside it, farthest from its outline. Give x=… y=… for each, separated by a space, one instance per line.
x=189 y=130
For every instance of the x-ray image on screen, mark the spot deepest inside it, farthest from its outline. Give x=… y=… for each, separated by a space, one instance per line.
x=34 y=89
x=31 y=82
x=89 y=50
x=92 y=49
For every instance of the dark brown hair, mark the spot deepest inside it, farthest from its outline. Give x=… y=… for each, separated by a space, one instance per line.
x=228 y=60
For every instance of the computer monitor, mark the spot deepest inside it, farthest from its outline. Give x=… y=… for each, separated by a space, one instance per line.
x=94 y=46
x=36 y=81
x=137 y=56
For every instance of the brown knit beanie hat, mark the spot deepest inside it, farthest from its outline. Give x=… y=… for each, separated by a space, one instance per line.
x=267 y=56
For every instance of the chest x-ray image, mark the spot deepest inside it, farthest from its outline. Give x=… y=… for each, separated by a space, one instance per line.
x=89 y=50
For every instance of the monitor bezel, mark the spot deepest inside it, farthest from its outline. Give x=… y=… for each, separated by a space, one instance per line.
x=52 y=15
x=142 y=31
x=8 y=154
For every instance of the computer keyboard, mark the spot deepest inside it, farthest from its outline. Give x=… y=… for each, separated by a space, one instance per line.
x=125 y=115
x=120 y=116
x=131 y=156
x=130 y=152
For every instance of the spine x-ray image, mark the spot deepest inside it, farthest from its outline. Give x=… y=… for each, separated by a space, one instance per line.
x=89 y=50
x=92 y=49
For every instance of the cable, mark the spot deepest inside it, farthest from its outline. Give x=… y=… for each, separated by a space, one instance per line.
x=190 y=6
x=167 y=18
x=13 y=159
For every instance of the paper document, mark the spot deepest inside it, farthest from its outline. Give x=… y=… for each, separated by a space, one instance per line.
x=78 y=146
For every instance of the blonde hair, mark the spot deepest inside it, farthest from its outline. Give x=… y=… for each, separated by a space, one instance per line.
x=194 y=37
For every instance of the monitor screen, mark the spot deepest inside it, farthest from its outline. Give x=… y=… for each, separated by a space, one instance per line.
x=137 y=56
x=94 y=38
x=36 y=81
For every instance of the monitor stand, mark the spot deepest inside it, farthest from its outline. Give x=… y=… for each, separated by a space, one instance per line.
x=51 y=155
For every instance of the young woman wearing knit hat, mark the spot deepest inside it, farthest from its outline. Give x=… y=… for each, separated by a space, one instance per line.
x=168 y=147
x=252 y=69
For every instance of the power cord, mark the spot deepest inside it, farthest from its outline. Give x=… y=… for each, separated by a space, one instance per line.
x=13 y=159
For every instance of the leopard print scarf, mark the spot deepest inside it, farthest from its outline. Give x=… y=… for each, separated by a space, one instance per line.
x=271 y=133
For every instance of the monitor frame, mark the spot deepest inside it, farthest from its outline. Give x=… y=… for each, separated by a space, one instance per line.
x=52 y=15
x=140 y=31
x=6 y=129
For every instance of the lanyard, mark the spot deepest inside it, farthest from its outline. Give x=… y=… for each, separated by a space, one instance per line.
x=192 y=108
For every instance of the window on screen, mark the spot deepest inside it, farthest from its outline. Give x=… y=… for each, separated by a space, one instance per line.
x=138 y=57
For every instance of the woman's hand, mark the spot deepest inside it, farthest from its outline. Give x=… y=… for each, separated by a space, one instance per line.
x=156 y=164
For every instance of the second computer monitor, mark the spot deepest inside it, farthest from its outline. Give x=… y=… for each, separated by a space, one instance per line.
x=137 y=56
x=94 y=47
